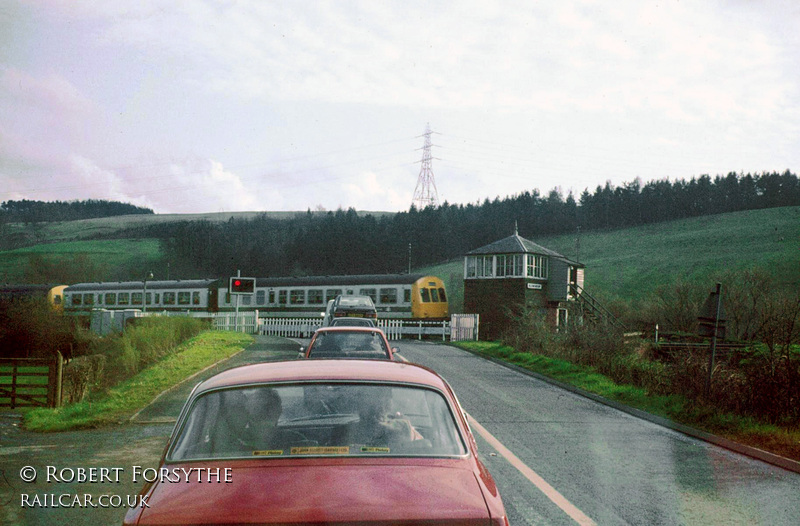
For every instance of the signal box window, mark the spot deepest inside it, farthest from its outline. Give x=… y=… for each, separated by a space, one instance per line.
x=315 y=296
x=297 y=297
x=282 y=297
x=389 y=296
x=169 y=298
x=260 y=297
x=124 y=298
x=136 y=298
x=111 y=298
x=537 y=266
x=426 y=296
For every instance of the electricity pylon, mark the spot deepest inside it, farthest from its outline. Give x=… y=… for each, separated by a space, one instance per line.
x=425 y=193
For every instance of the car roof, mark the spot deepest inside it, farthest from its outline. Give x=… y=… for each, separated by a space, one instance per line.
x=349 y=328
x=325 y=370
x=353 y=300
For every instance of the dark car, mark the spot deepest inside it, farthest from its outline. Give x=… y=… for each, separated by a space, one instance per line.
x=349 y=342
x=350 y=307
x=321 y=442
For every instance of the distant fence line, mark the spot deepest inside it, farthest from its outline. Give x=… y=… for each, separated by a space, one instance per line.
x=460 y=327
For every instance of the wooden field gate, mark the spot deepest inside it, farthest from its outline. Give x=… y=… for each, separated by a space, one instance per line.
x=31 y=382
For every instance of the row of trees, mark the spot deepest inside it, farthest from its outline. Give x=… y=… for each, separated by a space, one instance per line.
x=344 y=242
x=39 y=211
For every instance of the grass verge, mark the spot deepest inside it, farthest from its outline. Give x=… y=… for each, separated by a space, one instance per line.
x=744 y=430
x=124 y=399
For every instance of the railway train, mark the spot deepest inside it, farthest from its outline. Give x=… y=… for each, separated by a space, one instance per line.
x=413 y=296
x=53 y=294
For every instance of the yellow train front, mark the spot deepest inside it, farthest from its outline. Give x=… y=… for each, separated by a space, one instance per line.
x=428 y=298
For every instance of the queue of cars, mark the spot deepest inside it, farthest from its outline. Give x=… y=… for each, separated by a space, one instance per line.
x=348 y=434
x=349 y=342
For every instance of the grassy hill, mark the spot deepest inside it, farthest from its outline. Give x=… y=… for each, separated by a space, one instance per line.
x=632 y=263
x=626 y=264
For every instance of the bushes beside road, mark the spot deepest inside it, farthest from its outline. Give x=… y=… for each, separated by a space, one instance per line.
x=597 y=359
x=104 y=406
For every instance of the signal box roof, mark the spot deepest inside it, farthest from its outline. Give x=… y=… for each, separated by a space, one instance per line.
x=515 y=244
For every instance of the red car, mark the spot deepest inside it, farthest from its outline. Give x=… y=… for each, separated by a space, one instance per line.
x=349 y=342
x=321 y=442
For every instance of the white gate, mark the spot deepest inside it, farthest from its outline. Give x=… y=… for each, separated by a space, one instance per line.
x=243 y=322
x=464 y=327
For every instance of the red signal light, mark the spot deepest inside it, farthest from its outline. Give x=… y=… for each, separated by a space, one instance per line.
x=242 y=285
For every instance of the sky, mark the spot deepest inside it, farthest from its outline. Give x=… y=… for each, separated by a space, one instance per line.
x=256 y=105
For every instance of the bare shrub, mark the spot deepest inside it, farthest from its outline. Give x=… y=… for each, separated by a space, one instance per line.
x=80 y=375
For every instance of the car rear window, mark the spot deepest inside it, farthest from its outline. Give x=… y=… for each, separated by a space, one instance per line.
x=318 y=419
x=348 y=344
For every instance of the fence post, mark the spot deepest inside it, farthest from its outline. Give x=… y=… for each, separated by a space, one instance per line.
x=14 y=386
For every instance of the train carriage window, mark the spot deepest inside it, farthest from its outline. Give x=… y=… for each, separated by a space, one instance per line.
x=435 y=295
x=271 y=297
x=372 y=293
x=246 y=299
x=442 y=295
x=260 y=296
x=123 y=298
x=149 y=298
x=136 y=298
x=184 y=298
x=388 y=296
x=315 y=296
x=88 y=299
x=330 y=294
x=169 y=298
x=406 y=295
x=297 y=297
x=282 y=297
x=76 y=299
x=196 y=297
x=111 y=298
x=157 y=299
x=426 y=297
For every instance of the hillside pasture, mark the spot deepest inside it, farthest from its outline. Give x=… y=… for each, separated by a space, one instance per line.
x=78 y=260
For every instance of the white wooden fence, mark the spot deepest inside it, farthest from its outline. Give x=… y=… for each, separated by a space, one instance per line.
x=461 y=327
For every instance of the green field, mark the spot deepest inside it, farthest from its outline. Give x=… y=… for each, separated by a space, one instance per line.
x=633 y=263
x=104 y=254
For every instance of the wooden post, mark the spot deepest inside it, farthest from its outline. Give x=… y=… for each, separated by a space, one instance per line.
x=59 y=377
